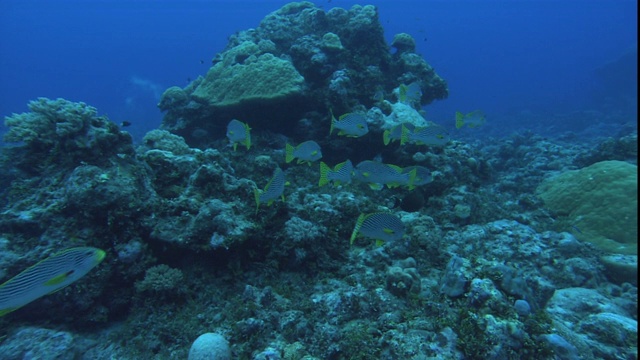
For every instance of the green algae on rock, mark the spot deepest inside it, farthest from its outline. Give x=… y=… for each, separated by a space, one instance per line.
x=258 y=79
x=600 y=202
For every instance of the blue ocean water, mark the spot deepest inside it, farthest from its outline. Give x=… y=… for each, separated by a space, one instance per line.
x=331 y=216
x=504 y=57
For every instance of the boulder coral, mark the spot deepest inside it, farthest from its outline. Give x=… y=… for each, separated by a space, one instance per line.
x=257 y=79
x=600 y=202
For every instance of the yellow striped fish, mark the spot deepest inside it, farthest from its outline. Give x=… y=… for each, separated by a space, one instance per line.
x=349 y=124
x=48 y=276
x=239 y=133
x=340 y=174
x=307 y=151
x=382 y=227
x=272 y=191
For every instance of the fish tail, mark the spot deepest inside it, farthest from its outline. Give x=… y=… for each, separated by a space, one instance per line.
x=412 y=179
x=356 y=229
x=333 y=121
x=324 y=171
x=404 y=135
x=402 y=93
x=386 y=137
x=459 y=120
x=288 y=151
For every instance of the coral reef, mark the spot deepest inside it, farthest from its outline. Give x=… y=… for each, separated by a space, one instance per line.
x=305 y=60
x=483 y=269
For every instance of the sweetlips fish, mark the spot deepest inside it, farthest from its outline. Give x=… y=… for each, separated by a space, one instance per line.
x=395 y=133
x=473 y=119
x=308 y=151
x=432 y=135
x=340 y=174
x=410 y=94
x=272 y=191
x=239 y=133
x=380 y=226
x=377 y=174
x=349 y=124
x=422 y=174
x=48 y=276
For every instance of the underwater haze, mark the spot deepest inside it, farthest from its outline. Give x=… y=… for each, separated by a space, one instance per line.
x=504 y=57
x=274 y=180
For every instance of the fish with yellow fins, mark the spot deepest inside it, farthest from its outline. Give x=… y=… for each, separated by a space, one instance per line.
x=410 y=94
x=349 y=124
x=272 y=191
x=48 y=276
x=473 y=119
x=431 y=135
x=382 y=227
x=395 y=133
x=340 y=174
x=422 y=174
x=239 y=133
x=378 y=174
x=306 y=152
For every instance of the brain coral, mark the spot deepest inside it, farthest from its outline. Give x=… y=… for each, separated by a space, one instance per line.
x=600 y=202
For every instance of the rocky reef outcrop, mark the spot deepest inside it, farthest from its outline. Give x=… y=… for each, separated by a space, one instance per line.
x=300 y=59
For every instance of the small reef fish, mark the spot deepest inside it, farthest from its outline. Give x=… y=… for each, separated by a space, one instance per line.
x=472 y=119
x=272 y=191
x=340 y=174
x=125 y=123
x=308 y=151
x=422 y=175
x=432 y=135
x=377 y=174
x=378 y=96
x=48 y=276
x=239 y=133
x=395 y=133
x=410 y=94
x=382 y=227
x=349 y=124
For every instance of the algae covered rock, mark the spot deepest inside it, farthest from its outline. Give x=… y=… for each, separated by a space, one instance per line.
x=64 y=132
x=173 y=97
x=600 y=202
x=404 y=42
x=331 y=42
x=49 y=120
x=259 y=79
